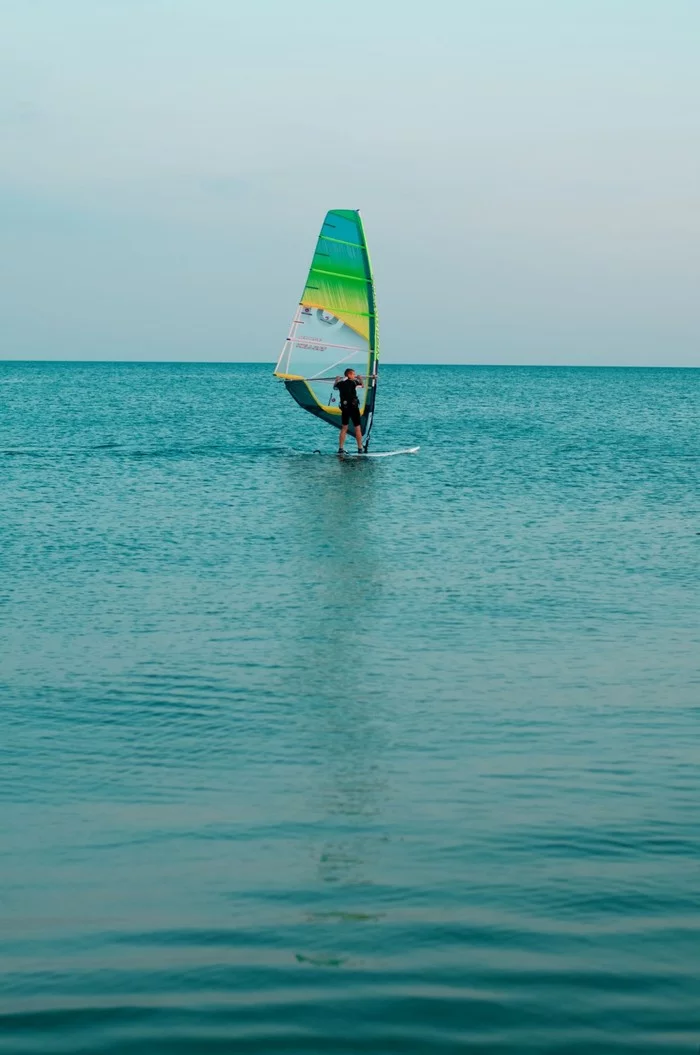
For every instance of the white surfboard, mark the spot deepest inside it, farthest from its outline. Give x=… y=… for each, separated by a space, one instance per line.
x=379 y=454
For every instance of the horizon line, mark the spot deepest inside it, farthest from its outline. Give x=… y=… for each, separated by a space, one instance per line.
x=383 y=364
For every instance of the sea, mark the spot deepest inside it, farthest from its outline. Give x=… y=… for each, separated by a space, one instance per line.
x=310 y=756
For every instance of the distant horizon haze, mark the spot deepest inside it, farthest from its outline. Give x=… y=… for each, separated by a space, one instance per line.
x=528 y=174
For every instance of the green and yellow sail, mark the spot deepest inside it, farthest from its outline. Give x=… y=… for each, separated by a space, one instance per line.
x=335 y=325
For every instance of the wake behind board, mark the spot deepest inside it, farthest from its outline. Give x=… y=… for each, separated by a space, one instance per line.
x=378 y=454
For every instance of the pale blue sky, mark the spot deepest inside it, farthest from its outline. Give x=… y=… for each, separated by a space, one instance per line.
x=528 y=172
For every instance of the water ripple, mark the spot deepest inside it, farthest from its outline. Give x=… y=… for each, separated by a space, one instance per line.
x=305 y=756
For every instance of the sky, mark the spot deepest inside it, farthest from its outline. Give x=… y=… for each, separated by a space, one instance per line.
x=528 y=173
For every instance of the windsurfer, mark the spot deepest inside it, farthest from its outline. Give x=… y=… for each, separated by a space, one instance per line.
x=347 y=387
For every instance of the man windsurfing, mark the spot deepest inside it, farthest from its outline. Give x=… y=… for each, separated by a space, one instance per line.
x=347 y=387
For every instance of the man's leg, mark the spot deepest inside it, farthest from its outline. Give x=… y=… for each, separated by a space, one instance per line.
x=358 y=437
x=343 y=434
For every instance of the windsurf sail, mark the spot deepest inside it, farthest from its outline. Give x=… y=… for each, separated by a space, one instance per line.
x=335 y=325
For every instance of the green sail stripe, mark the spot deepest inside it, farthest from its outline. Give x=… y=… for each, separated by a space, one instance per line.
x=344 y=311
x=335 y=274
x=355 y=245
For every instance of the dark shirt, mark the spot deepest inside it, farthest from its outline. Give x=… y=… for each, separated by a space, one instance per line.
x=348 y=391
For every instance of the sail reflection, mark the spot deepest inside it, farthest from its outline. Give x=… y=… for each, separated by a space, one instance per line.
x=337 y=669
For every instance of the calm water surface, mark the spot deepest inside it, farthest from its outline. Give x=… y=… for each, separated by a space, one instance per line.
x=307 y=756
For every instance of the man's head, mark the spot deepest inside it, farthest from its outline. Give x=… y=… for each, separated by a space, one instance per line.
x=350 y=373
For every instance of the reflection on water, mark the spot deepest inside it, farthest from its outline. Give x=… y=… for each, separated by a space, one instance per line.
x=331 y=515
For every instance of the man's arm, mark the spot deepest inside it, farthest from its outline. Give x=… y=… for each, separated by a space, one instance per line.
x=359 y=382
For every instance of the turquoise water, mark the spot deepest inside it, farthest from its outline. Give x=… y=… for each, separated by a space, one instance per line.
x=309 y=756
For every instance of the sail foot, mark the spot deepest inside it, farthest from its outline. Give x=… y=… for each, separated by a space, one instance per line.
x=302 y=394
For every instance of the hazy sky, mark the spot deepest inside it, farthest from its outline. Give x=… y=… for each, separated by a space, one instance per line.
x=528 y=172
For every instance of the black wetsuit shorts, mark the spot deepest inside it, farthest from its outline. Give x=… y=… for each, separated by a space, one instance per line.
x=350 y=412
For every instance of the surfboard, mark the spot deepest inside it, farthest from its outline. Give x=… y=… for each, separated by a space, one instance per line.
x=378 y=454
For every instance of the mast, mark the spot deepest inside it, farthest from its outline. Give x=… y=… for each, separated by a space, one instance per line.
x=373 y=338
